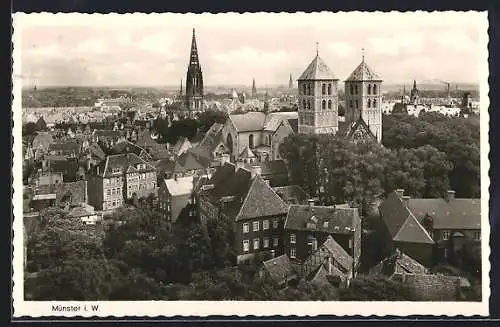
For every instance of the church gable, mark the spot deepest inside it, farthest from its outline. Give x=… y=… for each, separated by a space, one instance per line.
x=359 y=131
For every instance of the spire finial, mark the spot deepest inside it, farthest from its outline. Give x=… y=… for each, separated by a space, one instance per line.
x=363 y=54
x=317 y=48
x=193 y=31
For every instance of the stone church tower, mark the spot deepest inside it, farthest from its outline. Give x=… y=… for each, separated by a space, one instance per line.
x=318 y=99
x=363 y=99
x=194 y=80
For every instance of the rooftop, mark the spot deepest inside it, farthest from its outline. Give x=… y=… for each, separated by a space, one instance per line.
x=317 y=70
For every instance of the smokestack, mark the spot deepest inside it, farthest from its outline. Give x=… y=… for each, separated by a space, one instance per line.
x=450 y=195
x=400 y=192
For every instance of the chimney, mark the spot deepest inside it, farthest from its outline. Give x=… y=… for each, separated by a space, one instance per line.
x=450 y=195
x=311 y=203
x=272 y=254
x=400 y=192
x=405 y=199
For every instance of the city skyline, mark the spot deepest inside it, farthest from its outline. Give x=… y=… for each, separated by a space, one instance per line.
x=116 y=52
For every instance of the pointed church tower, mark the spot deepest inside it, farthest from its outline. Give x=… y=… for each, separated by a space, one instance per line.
x=318 y=99
x=194 y=80
x=363 y=96
x=254 y=89
x=290 y=82
x=180 y=91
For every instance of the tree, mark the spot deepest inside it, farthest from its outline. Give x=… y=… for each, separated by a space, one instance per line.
x=29 y=129
x=209 y=117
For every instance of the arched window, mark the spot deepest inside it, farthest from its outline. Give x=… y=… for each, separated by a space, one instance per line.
x=250 y=141
x=304 y=104
x=351 y=89
x=329 y=104
x=374 y=88
x=323 y=104
x=356 y=88
x=308 y=89
x=323 y=89
x=369 y=88
x=369 y=103
x=374 y=103
x=304 y=89
x=330 y=89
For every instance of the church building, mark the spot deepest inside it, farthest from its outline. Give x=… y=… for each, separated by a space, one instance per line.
x=194 y=80
x=318 y=99
x=363 y=98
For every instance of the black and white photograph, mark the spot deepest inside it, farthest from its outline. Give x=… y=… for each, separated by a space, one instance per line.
x=260 y=163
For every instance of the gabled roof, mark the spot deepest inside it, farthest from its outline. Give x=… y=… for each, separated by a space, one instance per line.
x=359 y=125
x=294 y=124
x=363 y=73
x=261 y=201
x=180 y=186
x=401 y=223
x=248 y=122
x=280 y=269
x=317 y=70
x=127 y=147
x=247 y=153
x=123 y=161
x=329 y=219
x=274 y=119
x=95 y=150
x=452 y=214
x=292 y=194
x=339 y=254
x=65 y=146
x=187 y=161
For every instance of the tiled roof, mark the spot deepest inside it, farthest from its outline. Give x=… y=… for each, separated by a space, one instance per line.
x=127 y=147
x=108 y=133
x=42 y=140
x=123 y=161
x=328 y=219
x=363 y=73
x=75 y=189
x=188 y=161
x=213 y=137
x=453 y=214
x=292 y=194
x=181 y=142
x=317 y=70
x=280 y=269
x=432 y=287
x=338 y=253
x=66 y=147
x=179 y=186
x=401 y=223
x=248 y=122
x=261 y=201
x=272 y=167
x=407 y=264
x=274 y=119
x=95 y=150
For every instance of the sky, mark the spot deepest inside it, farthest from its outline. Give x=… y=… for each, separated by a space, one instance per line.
x=153 y=50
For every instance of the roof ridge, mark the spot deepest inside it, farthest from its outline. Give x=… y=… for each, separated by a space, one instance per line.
x=246 y=197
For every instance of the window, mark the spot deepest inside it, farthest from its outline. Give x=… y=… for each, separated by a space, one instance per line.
x=293 y=253
x=293 y=239
x=246 y=228
x=350 y=103
x=308 y=104
x=351 y=89
x=255 y=226
x=309 y=89
x=323 y=89
x=265 y=224
x=330 y=89
x=374 y=88
x=477 y=236
x=357 y=104
x=356 y=89
x=329 y=104
x=246 y=245
x=276 y=242
x=275 y=223
x=446 y=235
x=304 y=104
x=369 y=103
x=265 y=242
x=256 y=243
x=108 y=191
x=369 y=88
x=323 y=104
x=250 y=141
x=304 y=91
x=374 y=103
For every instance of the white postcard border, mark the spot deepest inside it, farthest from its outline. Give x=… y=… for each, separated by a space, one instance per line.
x=24 y=308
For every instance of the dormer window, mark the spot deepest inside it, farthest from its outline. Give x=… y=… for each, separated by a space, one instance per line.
x=115 y=170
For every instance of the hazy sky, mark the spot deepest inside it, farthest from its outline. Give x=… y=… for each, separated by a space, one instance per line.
x=77 y=49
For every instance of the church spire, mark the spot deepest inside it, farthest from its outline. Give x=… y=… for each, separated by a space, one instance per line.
x=254 y=89
x=317 y=49
x=193 y=59
x=180 y=91
x=290 y=82
x=362 y=54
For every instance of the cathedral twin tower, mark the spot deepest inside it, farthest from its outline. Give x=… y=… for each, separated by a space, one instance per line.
x=318 y=101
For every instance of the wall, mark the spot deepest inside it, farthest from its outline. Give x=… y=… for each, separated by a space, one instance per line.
x=95 y=192
x=177 y=204
x=421 y=252
x=278 y=137
x=271 y=233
